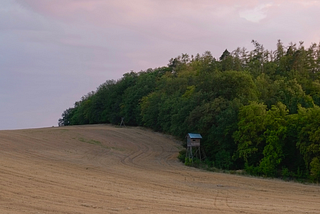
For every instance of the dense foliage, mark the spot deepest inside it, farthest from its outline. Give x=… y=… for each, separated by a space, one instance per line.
x=257 y=110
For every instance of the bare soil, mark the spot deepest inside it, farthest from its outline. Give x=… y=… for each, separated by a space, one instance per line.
x=106 y=169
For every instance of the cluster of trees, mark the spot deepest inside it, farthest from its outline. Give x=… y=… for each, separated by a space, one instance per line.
x=256 y=110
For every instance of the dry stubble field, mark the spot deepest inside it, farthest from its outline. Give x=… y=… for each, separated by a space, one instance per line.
x=105 y=169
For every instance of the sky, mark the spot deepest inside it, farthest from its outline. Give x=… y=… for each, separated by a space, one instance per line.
x=53 y=52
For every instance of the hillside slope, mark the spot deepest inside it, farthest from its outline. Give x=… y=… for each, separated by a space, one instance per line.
x=105 y=169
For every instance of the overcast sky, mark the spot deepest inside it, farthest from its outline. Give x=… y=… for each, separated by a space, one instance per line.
x=52 y=52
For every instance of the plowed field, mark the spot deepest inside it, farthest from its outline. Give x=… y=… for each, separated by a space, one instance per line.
x=105 y=169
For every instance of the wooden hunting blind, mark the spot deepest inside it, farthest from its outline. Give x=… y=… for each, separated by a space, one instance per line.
x=193 y=139
x=193 y=146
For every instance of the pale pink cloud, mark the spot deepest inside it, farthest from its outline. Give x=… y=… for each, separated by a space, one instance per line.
x=181 y=21
x=133 y=11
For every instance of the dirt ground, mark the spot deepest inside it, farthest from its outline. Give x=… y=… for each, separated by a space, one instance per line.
x=106 y=169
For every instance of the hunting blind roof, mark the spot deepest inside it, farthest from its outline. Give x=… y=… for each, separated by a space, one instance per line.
x=194 y=136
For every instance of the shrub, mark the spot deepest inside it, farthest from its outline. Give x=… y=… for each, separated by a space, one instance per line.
x=315 y=169
x=182 y=155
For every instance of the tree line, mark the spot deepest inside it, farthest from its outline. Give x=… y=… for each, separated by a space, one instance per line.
x=257 y=110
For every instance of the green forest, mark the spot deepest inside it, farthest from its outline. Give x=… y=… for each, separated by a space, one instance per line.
x=257 y=110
